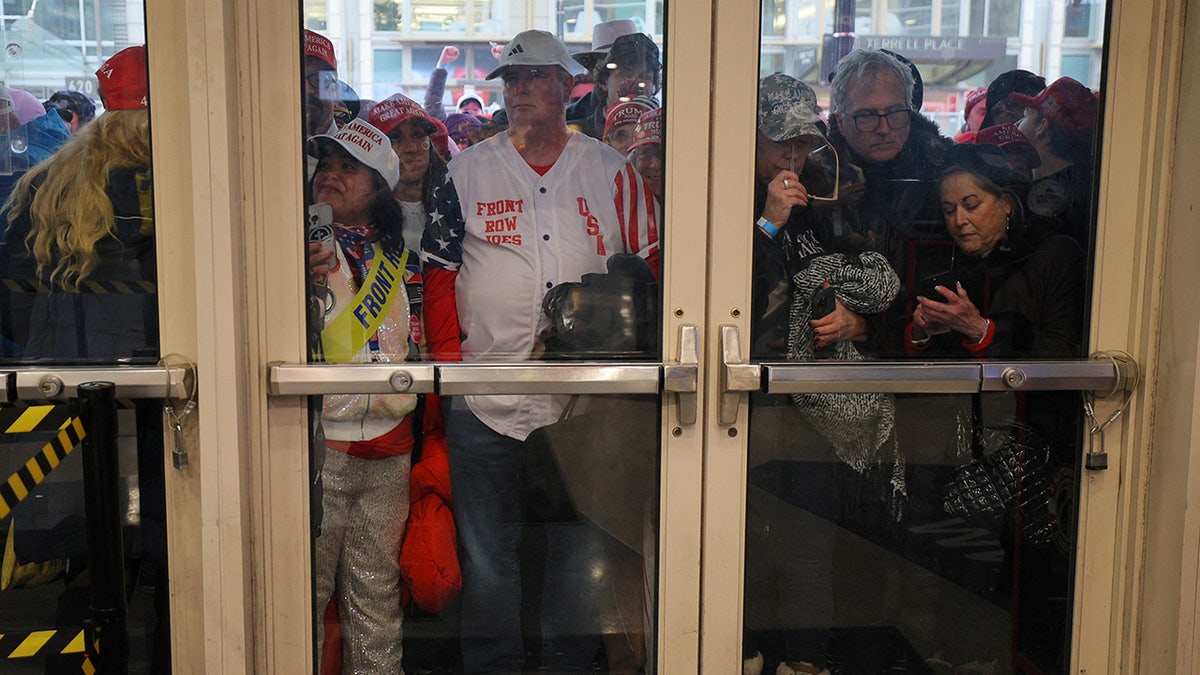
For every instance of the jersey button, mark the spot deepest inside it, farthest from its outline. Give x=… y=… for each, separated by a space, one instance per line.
x=542 y=190
x=545 y=237
x=549 y=284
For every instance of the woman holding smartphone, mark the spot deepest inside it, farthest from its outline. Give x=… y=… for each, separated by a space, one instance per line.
x=368 y=437
x=1007 y=297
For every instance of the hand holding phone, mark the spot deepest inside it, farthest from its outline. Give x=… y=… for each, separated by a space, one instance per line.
x=928 y=286
x=823 y=302
x=320 y=235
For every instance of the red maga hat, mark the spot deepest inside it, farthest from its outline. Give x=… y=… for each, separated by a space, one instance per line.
x=124 y=82
x=626 y=112
x=649 y=129
x=1068 y=105
x=1010 y=139
x=397 y=109
x=974 y=98
x=319 y=46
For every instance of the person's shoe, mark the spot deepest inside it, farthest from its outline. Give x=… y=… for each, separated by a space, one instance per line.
x=800 y=668
x=753 y=666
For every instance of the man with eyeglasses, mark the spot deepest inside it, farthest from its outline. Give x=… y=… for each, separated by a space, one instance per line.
x=534 y=206
x=321 y=89
x=900 y=153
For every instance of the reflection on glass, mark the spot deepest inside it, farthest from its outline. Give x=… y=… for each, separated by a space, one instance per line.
x=774 y=17
x=917 y=532
x=529 y=538
x=915 y=16
x=79 y=287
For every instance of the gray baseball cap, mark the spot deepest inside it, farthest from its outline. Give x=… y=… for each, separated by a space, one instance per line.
x=787 y=109
x=533 y=48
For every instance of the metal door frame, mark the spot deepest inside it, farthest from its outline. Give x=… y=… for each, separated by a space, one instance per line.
x=228 y=179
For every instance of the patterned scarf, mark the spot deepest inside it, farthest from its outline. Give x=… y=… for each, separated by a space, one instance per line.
x=857 y=424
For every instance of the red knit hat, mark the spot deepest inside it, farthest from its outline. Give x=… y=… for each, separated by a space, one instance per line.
x=1068 y=105
x=974 y=98
x=319 y=46
x=124 y=82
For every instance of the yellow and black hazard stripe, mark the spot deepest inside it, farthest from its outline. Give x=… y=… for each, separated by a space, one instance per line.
x=25 y=419
x=28 y=644
x=86 y=286
x=20 y=484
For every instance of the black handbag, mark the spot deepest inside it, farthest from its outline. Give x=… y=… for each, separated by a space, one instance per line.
x=611 y=315
x=1008 y=480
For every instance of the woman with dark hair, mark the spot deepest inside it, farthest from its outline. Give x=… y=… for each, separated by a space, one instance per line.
x=411 y=133
x=1000 y=110
x=1005 y=294
x=1011 y=293
x=368 y=438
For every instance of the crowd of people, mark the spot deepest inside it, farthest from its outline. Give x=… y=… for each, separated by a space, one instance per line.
x=875 y=236
x=972 y=248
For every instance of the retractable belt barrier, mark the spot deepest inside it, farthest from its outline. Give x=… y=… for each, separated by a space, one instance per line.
x=28 y=644
x=20 y=484
x=104 y=639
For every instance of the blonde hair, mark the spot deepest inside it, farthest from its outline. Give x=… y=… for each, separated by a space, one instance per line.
x=65 y=197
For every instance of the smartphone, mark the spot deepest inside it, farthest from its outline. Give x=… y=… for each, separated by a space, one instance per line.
x=320 y=225
x=823 y=302
x=944 y=279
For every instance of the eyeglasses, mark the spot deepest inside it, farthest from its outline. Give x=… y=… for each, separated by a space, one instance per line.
x=819 y=157
x=322 y=79
x=868 y=122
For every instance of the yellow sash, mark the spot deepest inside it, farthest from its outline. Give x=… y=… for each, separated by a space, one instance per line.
x=347 y=332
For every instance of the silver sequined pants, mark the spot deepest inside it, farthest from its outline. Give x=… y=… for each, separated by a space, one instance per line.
x=365 y=510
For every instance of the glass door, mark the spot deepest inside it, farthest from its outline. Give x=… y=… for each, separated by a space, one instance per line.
x=903 y=341
x=247 y=508
x=570 y=360
x=82 y=562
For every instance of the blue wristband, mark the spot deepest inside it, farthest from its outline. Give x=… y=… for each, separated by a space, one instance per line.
x=767 y=227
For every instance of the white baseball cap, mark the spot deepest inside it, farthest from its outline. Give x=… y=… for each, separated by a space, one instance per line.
x=368 y=145
x=533 y=48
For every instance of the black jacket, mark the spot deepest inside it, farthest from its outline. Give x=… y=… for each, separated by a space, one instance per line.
x=898 y=213
x=115 y=313
x=1034 y=297
x=587 y=115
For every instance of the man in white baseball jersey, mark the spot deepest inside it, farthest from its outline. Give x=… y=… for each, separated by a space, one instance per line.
x=519 y=213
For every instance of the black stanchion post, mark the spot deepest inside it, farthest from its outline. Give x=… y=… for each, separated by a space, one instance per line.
x=97 y=409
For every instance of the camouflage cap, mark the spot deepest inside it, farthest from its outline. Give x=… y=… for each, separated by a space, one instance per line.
x=787 y=109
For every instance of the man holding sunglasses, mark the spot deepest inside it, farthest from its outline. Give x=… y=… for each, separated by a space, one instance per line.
x=795 y=171
x=802 y=292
